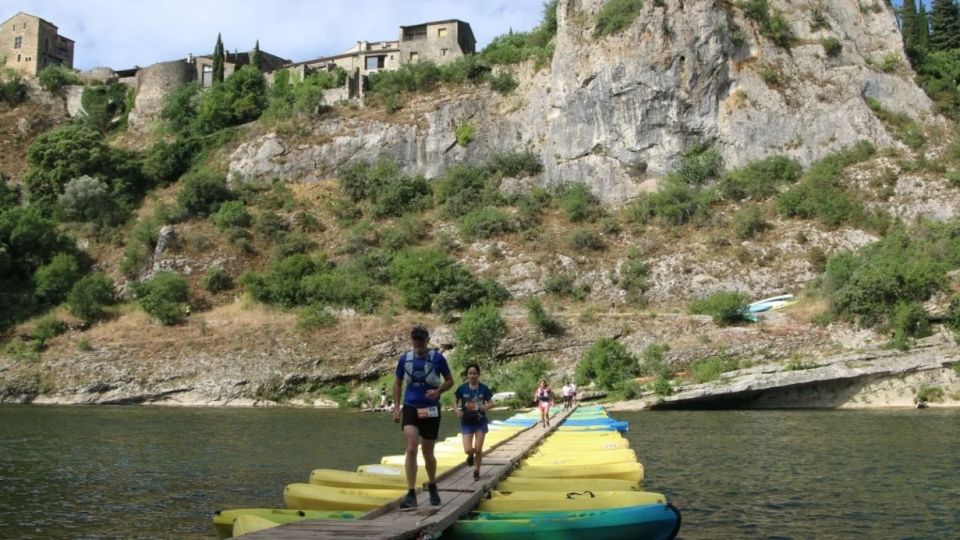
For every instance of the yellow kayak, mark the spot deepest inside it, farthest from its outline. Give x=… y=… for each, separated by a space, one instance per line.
x=548 y=501
x=313 y=497
x=632 y=472
x=565 y=485
x=335 y=478
x=584 y=458
x=397 y=470
x=248 y=523
x=584 y=445
x=223 y=519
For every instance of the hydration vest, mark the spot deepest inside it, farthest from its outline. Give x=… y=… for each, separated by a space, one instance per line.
x=428 y=376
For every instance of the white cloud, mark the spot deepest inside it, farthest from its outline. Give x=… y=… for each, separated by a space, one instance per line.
x=135 y=32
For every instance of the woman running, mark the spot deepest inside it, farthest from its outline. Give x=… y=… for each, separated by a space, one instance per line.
x=473 y=399
x=544 y=398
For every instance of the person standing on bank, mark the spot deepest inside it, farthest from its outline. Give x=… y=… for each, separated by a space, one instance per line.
x=420 y=369
x=473 y=399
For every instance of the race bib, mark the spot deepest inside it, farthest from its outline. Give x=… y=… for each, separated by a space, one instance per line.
x=428 y=412
x=471 y=405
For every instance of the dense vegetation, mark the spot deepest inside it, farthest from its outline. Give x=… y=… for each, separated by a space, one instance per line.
x=933 y=46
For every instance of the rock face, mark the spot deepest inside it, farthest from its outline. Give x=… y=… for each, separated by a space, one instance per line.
x=682 y=74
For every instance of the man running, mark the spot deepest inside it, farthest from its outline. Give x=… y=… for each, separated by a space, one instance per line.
x=420 y=369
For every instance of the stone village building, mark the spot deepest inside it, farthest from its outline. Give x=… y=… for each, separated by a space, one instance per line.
x=28 y=44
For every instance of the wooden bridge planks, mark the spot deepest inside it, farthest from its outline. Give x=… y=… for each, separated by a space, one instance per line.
x=459 y=494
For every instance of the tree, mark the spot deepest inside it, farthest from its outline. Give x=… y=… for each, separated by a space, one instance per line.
x=909 y=24
x=255 y=59
x=480 y=332
x=54 y=279
x=218 y=58
x=607 y=363
x=85 y=199
x=58 y=156
x=923 y=28
x=163 y=295
x=89 y=295
x=945 y=23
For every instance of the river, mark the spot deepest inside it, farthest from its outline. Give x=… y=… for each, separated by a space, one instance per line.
x=157 y=472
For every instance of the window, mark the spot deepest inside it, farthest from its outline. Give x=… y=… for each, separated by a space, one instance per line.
x=376 y=62
x=206 y=78
x=443 y=52
x=414 y=56
x=441 y=32
x=17 y=42
x=18 y=58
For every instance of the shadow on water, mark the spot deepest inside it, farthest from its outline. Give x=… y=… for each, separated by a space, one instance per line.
x=159 y=472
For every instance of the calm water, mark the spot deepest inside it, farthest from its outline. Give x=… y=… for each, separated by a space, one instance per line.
x=109 y=472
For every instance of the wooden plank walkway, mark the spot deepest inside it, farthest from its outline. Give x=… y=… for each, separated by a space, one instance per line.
x=459 y=492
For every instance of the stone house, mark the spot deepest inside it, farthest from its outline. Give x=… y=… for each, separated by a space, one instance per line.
x=28 y=44
x=232 y=62
x=438 y=41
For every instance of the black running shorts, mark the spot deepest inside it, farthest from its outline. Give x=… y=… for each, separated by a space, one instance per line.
x=429 y=427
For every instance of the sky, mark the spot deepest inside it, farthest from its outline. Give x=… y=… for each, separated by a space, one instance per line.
x=121 y=34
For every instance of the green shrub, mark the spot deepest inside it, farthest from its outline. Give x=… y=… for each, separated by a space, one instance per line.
x=165 y=162
x=582 y=240
x=402 y=195
x=831 y=46
x=426 y=276
x=203 y=192
x=725 y=307
x=653 y=361
x=180 y=107
x=12 y=89
x=607 y=362
x=343 y=288
x=216 y=279
x=565 y=285
x=904 y=266
x=360 y=238
x=406 y=231
x=930 y=393
x=760 y=179
x=105 y=106
x=634 y=276
x=47 y=328
x=953 y=321
x=515 y=164
x=662 y=386
x=479 y=334
x=53 y=78
x=62 y=154
x=88 y=199
x=315 y=317
x=503 y=83
x=521 y=377
x=232 y=214
x=292 y=244
x=699 y=165
x=910 y=321
x=467 y=68
x=54 y=280
x=773 y=25
x=162 y=296
x=283 y=285
x=465 y=133
x=578 y=203
x=543 y=321
x=464 y=188
x=485 y=222
x=271 y=225
x=903 y=127
x=241 y=98
x=674 y=204
x=749 y=222
x=616 y=15
x=821 y=195
x=890 y=62
x=710 y=369
x=141 y=242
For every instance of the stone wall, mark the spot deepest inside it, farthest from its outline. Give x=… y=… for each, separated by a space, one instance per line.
x=154 y=84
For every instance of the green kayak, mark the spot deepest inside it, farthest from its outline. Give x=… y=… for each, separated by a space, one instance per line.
x=650 y=522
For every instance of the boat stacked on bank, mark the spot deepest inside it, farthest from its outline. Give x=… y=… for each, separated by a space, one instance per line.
x=583 y=481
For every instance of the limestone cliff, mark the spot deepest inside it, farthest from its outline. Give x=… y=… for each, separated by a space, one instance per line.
x=684 y=73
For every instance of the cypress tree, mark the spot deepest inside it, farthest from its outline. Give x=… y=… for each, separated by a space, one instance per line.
x=923 y=24
x=218 y=58
x=945 y=25
x=908 y=24
x=255 y=59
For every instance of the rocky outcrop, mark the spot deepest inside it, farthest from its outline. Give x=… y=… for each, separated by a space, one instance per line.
x=874 y=379
x=99 y=75
x=682 y=74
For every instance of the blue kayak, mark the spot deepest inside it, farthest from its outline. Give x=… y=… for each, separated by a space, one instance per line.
x=649 y=521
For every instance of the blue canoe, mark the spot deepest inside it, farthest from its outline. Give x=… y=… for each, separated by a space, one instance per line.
x=650 y=521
